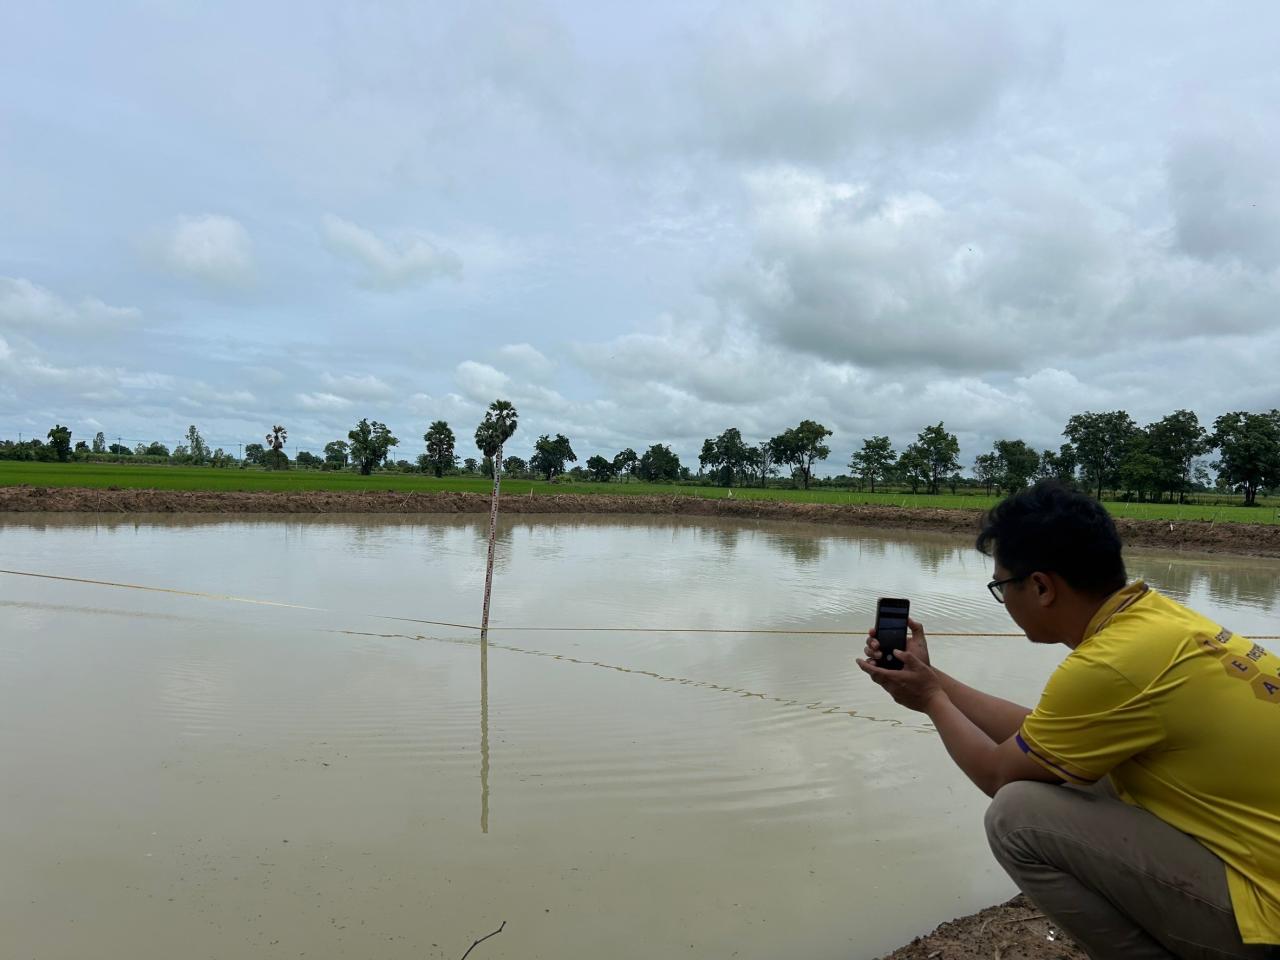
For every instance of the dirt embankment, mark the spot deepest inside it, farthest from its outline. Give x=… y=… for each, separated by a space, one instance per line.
x=1015 y=930
x=1242 y=538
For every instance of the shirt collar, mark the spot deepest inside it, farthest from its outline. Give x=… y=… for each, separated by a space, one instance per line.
x=1122 y=599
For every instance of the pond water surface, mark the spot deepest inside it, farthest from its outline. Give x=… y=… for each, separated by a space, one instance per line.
x=204 y=777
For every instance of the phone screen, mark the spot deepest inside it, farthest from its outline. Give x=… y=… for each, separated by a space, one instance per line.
x=891 y=629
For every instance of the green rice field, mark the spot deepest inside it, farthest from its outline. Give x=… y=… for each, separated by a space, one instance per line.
x=158 y=477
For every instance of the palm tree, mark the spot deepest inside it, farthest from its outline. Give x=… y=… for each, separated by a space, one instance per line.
x=496 y=429
x=277 y=437
x=499 y=424
x=275 y=443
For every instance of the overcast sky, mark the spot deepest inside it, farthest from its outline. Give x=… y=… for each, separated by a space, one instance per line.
x=639 y=222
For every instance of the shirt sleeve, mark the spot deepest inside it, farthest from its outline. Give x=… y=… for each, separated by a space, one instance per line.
x=1090 y=719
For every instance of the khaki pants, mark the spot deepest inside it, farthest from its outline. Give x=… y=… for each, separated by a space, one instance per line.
x=1118 y=880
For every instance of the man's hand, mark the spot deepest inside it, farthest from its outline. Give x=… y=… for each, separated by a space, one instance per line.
x=916 y=643
x=916 y=684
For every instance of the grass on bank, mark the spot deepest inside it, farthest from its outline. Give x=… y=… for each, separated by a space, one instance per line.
x=125 y=476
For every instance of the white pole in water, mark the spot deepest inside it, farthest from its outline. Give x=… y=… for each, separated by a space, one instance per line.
x=493 y=533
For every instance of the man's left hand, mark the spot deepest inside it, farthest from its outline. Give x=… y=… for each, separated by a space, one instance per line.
x=914 y=686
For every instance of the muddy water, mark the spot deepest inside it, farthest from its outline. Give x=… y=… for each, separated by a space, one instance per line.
x=201 y=777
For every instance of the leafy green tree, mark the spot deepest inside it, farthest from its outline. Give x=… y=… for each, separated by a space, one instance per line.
x=306 y=458
x=1200 y=478
x=514 y=467
x=440 y=443
x=550 y=456
x=469 y=465
x=708 y=458
x=1248 y=451
x=600 y=468
x=255 y=454
x=60 y=439
x=336 y=453
x=875 y=461
x=370 y=444
x=120 y=450
x=1139 y=471
x=1175 y=441
x=986 y=470
x=914 y=467
x=197 y=449
x=99 y=443
x=659 y=464
x=157 y=449
x=762 y=464
x=1060 y=466
x=800 y=446
x=941 y=452
x=625 y=462
x=727 y=456
x=1101 y=441
x=1018 y=463
x=81 y=447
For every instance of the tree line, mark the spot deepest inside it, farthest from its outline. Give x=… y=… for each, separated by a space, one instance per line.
x=1103 y=451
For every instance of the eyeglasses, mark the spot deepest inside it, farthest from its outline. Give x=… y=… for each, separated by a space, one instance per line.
x=997 y=586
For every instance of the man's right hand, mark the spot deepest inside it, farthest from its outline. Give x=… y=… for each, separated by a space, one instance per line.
x=916 y=643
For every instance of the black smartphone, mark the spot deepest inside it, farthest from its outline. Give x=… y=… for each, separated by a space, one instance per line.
x=891 y=629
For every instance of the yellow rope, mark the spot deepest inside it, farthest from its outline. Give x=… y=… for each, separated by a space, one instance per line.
x=221 y=596
x=502 y=629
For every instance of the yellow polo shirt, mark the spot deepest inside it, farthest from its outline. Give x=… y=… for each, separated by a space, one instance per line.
x=1185 y=717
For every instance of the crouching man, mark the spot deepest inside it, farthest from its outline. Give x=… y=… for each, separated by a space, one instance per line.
x=1138 y=804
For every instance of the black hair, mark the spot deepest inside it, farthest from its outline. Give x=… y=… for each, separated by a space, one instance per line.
x=1049 y=528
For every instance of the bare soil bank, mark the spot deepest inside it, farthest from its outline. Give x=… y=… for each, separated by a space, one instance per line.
x=1015 y=930
x=1240 y=538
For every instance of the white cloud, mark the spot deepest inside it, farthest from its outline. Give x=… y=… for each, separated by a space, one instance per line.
x=212 y=248
x=959 y=281
x=147 y=381
x=321 y=401
x=265 y=374
x=26 y=304
x=807 y=82
x=482 y=383
x=415 y=259
x=526 y=359
x=367 y=387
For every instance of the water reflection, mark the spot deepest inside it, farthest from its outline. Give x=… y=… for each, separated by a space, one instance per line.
x=803 y=550
x=213 y=732
x=1232 y=582
x=484 y=733
x=933 y=556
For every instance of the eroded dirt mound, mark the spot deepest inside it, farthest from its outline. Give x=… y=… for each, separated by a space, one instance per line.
x=1011 y=931
x=1247 y=538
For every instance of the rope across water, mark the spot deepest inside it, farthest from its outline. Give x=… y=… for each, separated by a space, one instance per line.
x=779 y=631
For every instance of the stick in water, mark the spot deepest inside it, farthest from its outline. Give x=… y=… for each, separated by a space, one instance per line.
x=483 y=939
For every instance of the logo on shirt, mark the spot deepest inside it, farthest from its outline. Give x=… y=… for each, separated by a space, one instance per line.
x=1257 y=666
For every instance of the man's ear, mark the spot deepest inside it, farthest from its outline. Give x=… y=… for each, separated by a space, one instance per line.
x=1045 y=587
